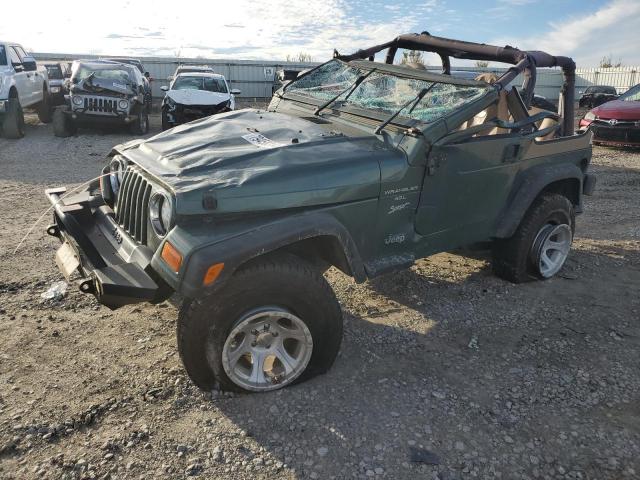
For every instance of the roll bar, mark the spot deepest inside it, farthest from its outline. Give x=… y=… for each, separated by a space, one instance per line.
x=524 y=62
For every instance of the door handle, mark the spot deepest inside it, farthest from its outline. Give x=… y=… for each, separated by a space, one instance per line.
x=511 y=153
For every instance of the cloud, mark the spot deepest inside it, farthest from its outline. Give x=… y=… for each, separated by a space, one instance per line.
x=613 y=29
x=251 y=29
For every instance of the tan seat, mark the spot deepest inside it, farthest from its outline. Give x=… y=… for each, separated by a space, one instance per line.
x=499 y=110
x=547 y=122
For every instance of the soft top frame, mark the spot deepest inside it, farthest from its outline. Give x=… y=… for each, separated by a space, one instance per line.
x=524 y=62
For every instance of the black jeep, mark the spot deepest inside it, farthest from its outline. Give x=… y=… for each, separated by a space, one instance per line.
x=103 y=92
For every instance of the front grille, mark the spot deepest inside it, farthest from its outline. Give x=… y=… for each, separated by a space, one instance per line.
x=132 y=204
x=616 y=134
x=101 y=105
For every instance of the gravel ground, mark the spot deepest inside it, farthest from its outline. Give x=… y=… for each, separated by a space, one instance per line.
x=445 y=372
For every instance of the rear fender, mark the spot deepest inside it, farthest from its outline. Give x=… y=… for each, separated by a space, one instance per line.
x=531 y=183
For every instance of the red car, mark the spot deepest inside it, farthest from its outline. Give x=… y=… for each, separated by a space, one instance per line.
x=616 y=123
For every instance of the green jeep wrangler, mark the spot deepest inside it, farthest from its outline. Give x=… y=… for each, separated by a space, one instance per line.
x=363 y=165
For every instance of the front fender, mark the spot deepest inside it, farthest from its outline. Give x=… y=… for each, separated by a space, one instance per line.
x=528 y=187
x=236 y=250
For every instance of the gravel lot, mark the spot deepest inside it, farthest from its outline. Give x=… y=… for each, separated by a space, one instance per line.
x=445 y=372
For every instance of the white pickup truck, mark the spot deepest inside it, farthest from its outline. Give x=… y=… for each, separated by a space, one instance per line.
x=23 y=84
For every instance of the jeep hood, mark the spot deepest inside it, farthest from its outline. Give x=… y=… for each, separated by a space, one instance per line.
x=252 y=160
x=197 y=97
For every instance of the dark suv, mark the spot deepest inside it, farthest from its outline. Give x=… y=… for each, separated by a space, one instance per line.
x=363 y=165
x=103 y=92
x=597 y=95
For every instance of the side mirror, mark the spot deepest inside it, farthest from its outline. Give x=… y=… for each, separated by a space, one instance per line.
x=29 y=64
x=235 y=91
x=164 y=88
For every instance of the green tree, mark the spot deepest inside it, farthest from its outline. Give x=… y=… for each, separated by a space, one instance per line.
x=412 y=56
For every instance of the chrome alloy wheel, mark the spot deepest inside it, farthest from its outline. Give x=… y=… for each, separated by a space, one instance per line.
x=551 y=248
x=267 y=349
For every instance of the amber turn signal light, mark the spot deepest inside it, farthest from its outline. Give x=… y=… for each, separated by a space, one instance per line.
x=171 y=256
x=212 y=273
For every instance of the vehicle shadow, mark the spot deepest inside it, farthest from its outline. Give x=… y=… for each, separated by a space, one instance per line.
x=448 y=364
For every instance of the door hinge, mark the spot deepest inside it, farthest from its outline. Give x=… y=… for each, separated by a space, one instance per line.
x=511 y=153
x=433 y=162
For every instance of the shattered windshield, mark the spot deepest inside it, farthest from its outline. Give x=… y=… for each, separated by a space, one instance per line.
x=383 y=92
x=631 y=95
x=209 y=84
x=83 y=72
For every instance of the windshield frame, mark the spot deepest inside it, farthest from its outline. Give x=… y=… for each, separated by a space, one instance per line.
x=396 y=70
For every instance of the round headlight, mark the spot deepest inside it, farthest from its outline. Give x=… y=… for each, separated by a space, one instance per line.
x=77 y=100
x=116 y=173
x=123 y=104
x=160 y=213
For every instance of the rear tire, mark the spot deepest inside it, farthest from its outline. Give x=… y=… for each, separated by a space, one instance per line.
x=13 y=121
x=519 y=258
x=63 y=126
x=45 y=108
x=281 y=283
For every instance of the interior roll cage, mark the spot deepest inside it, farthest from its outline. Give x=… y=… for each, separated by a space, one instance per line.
x=524 y=62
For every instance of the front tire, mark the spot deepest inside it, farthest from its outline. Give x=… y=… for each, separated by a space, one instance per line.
x=13 y=121
x=63 y=126
x=165 y=121
x=275 y=323
x=540 y=245
x=140 y=126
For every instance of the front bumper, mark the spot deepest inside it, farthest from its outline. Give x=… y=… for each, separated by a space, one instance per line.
x=622 y=134
x=88 y=117
x=179 y=114
x=96 y=246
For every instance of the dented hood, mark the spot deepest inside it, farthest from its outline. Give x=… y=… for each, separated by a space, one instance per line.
x=197 y=97
x=251 y=160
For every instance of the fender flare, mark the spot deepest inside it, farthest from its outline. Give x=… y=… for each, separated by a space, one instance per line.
x=265 y=239
x=526 y=190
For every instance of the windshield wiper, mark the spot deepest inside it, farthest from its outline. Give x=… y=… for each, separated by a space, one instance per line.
x=350 y=89
x=415 y=100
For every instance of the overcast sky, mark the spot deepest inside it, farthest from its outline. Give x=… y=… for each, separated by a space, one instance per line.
x=587 y=30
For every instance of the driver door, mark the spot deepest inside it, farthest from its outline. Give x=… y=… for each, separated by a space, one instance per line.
x=466 y=185
x=23 y=83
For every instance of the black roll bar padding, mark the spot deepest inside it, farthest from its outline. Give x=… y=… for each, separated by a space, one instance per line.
x=446 y=64
x=391 y=53
x=522 y=61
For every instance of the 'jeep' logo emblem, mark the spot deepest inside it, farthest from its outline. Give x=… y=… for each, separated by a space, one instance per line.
x=613 y=121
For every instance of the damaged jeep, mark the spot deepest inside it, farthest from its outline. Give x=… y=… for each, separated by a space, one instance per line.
x=103 y=92
x=361 y=165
